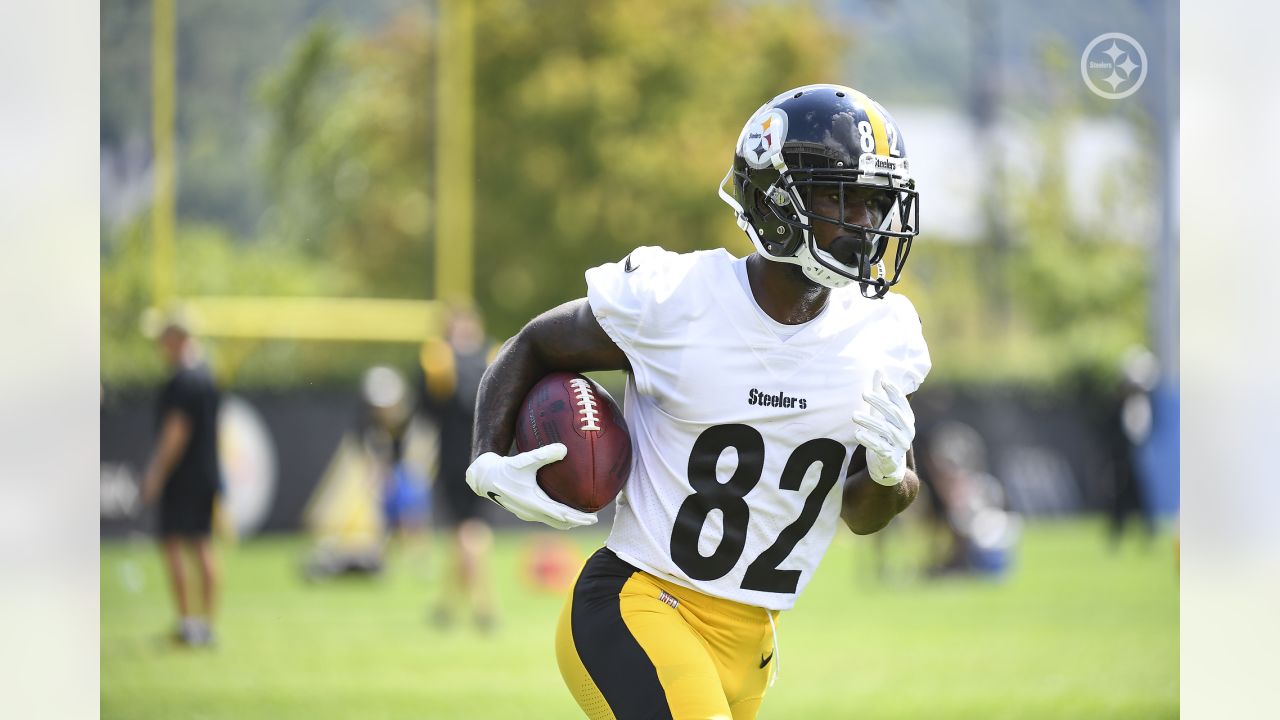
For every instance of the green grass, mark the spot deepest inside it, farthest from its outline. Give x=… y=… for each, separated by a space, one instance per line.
x=1074 y=632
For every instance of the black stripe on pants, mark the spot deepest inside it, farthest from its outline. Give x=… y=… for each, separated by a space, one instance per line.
x=614 y=659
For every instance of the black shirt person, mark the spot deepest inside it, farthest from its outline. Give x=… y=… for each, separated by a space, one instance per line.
x=451 y=372
x=183 y=477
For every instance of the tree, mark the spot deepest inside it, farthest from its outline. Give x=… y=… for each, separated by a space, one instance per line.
x=600 y=126
x=1078 y=291
x=213 y=262
x=1081 y=290
x=607 y=125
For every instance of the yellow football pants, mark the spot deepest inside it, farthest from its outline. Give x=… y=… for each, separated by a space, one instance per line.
x=630 y=645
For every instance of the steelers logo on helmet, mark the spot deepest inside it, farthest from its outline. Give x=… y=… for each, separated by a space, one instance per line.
x=762 y=139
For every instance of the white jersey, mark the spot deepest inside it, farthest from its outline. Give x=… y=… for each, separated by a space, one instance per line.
x=741 y=438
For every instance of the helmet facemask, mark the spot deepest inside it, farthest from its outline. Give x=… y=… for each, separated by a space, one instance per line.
x=776 y=207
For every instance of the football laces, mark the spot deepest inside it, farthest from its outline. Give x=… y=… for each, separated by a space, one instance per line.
x=586 y=404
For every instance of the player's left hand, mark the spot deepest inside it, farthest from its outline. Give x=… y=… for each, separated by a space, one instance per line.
x=887 y=437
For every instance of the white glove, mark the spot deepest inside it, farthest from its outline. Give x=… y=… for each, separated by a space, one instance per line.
x=512 y=482
x=888 y=438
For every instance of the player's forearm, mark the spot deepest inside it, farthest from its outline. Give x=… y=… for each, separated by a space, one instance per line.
x=869 y=506
x=173 y=440
x=156 y=476
x=564 y=338
x=162 y=463
x=503 y=386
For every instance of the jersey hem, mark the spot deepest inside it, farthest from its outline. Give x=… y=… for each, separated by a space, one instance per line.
x=632 y=560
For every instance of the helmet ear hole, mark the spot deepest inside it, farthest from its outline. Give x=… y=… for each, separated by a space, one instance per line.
x=766 y=215
x=760 y=202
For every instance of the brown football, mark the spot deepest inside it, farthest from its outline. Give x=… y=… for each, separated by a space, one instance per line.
x=571 y=409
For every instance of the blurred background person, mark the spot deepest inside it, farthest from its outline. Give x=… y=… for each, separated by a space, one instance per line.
x=406 y=494
x=1127 y=428
x=971 y=529
x=357 y=504
x=451 y=372
x=184 y=478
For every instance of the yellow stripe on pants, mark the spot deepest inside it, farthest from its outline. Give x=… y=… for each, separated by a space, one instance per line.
x=711 y=657
x=681 y=657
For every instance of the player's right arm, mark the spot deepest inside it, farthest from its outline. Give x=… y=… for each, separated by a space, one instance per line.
x=565 y=338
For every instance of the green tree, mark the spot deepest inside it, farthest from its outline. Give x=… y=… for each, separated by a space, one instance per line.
x=1078 y=291
x=607 y=125
x=600 y=126
x=223 y=46
x=213 y=262
x=348 y=161
x=1082 y=290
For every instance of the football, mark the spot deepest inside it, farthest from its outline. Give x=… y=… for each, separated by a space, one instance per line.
x=571 y=409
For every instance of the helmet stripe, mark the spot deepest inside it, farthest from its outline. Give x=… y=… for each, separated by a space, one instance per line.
x=877 y=123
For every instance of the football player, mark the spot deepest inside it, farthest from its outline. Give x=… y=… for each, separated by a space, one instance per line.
x=766 y=398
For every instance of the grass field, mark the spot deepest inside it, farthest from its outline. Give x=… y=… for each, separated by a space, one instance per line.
x=1073 y=632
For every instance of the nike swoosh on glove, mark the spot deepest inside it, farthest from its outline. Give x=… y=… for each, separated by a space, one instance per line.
x=512 y=482
x=886 y=433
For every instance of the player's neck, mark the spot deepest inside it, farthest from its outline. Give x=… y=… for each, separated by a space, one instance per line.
x=783 y=292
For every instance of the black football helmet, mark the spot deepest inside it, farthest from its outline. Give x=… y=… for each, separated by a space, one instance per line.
x=832 y=139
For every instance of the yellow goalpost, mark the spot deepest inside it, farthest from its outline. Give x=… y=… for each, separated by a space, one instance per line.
x=331 y=318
